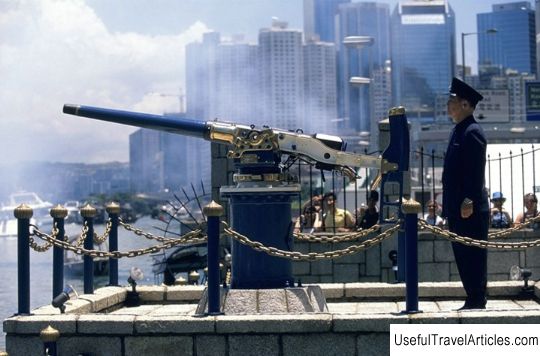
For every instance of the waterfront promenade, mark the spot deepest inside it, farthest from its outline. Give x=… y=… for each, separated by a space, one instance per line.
x=357 y=321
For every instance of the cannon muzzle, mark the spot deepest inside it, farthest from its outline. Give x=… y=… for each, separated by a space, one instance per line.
x=175 y=125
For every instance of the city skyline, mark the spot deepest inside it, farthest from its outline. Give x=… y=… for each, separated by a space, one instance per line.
x=110 y=54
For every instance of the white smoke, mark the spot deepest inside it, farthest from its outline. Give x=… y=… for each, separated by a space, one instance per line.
x=54 y=52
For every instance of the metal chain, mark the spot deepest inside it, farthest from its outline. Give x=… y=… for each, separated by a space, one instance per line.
x=312 y=256
x=41 y=248
x=517 y=227
x=185 y=239
x=150 y=236
x=80 y=240
x=98 y=240
x=477 y=243
x=322 y=238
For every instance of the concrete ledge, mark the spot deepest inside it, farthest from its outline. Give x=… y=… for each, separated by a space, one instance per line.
x=106 y=324
x=371 y=323
x=33 y=324
x=174 y=324
x=301 y=323
x=184 y=293
x=151 y=293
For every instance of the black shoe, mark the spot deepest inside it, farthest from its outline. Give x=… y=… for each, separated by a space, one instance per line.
x=473 y=305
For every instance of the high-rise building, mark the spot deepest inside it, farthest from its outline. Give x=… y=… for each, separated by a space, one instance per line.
x=371 y=22
x=201 y=78
x=381 y=99
x=161 y=161
x=423 y=54
x=513 y=46
x=282 y=73
x=144 y=149
x=236 y=71
x=537 y=26
x=320 y=94
x=319 y=17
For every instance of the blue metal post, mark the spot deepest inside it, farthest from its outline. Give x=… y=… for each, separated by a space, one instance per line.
x=23 y=213
x=401 y=255
x=411 y=209
x=213 y=211
x=88 y=213
x=49 y=336
x=58 y=214
x=113 y=209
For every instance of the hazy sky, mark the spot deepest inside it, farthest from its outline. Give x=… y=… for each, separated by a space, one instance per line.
x=119 y=54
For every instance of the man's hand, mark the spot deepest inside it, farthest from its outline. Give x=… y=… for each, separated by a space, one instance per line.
x=466 y=208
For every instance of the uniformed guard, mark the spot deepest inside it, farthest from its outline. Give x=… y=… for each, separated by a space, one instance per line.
x=465 y=200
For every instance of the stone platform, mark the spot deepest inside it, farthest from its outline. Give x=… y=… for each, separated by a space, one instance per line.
x=357 y=321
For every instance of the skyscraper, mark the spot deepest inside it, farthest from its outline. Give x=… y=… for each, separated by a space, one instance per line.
x=537 y=21
x=281 y=70
x=369 y=20
x=320 y=94
x=144 y=149
x=319 y=16
x=423 y=54
x=201 y=78
x=237 y=81
x=514 y=45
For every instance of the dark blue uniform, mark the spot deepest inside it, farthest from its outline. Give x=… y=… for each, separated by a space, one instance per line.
x=463 y=177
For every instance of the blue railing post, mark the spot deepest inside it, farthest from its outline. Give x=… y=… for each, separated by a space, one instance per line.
x=49 y=336
x=113 y=209
x=23 y=213
x=58 y=214
x=411 y=209
x=213 y=211
x=88 y=213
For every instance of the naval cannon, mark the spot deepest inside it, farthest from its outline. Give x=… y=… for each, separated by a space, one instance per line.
x=260 y=202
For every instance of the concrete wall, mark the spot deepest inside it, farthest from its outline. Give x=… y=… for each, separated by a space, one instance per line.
x=435 y=257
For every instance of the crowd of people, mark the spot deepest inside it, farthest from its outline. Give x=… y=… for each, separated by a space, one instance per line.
x=320 y=214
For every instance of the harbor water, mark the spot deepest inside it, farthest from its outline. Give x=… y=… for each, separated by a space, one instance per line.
x=41 y=267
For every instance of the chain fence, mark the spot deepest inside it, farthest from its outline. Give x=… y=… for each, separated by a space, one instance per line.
x=198 y=236
x=521 y=245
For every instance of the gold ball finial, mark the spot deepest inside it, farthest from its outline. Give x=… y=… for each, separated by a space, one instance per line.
x=193 y=276
x=411 y=206
x=3 y=353
x=113 y=208
x=88 y=211
x=59 y=212
x=398 y=110
x=213 y=209
x=49 y=334
x=23 y=211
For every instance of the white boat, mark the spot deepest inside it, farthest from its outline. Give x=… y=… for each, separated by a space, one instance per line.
x=41 y=215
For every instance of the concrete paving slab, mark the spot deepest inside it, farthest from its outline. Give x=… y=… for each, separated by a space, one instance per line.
x=342 y=308
x=140 y=310
x=377 y=308
x=174 y=309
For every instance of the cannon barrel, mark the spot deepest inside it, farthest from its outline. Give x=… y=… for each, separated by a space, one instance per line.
x=157 y=122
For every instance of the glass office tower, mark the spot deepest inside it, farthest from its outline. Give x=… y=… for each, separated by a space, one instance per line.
x=368 y=20
x=423 y=55
x=513 y=46
x=319 y=18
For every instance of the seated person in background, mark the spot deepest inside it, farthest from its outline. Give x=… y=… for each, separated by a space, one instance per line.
x=500 y=219
x=310 y=220
x=531 y=209
x=431 y=217
x=334 y=219
x=367 y=217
